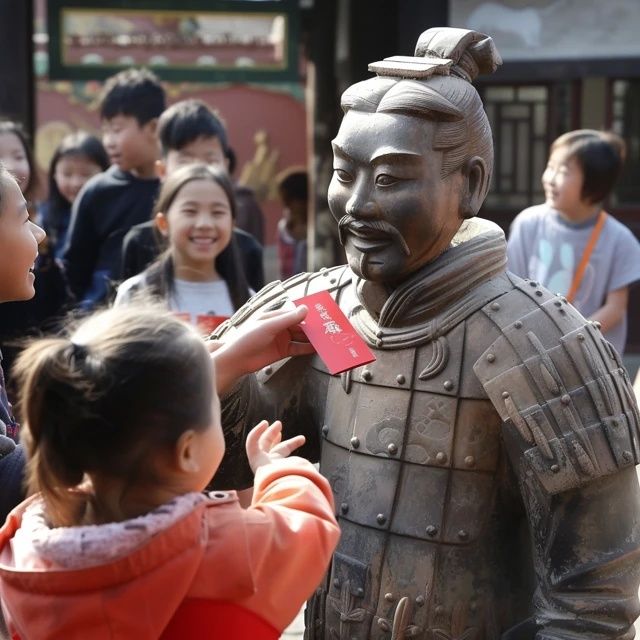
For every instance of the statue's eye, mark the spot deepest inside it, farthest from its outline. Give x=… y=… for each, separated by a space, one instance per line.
x=342 y=175
x=385 y=180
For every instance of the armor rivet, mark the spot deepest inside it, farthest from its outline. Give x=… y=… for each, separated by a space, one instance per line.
x=359 y=592
x=381 y=518
x=562 y=312
x=538 y=293
x=518 y=324
x=448 y=385
x=463 y=535
x=336 y=583
x=581 y=337
x=389 y=597
x=383 y=624
x=379 y=333
x=355 y=442
x=495 y=306
x=400 y=379
x=332 y=280
x=439 y=610
x=566 y=399
x=325 y=430
x=420 y=601
x=533 y=284
x=323 y=271
x=392 y=449
x=470 y=461
x=563 y=299
x=367 y=375
x=441 y=457
x=491 y=357
x=379 y=342
x=627 y=456
x=268 y=370
x=505 y=394
x=558 y=303
x=344 y=507
x=597 y=324
x=432 y=530
x=555 y=468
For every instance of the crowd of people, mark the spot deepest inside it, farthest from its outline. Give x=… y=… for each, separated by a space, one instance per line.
x=141 y=237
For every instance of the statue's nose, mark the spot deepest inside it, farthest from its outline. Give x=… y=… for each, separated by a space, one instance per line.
x=361 y=206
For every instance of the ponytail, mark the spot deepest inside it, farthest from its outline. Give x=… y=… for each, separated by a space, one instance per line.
x=51 y=386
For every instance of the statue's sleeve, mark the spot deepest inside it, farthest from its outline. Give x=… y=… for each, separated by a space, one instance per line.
x=571 y=432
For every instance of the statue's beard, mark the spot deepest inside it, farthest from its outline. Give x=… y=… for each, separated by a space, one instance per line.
x=348 y=221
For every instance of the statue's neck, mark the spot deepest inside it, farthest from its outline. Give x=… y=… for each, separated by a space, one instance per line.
x=476 y=254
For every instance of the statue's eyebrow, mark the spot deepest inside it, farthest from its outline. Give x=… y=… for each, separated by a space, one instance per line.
x=337 y=149
x=395 y=155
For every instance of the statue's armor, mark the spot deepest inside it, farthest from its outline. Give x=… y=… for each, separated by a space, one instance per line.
x=430 y=449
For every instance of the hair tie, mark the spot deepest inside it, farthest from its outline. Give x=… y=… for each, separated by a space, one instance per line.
x=78 y=351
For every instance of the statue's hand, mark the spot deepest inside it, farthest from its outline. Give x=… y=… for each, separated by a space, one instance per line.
x=267 y=338
x=264 y=444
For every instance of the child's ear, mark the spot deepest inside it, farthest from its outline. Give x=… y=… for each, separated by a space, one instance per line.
x=152 y=126
x=161 y=169
x=162 y=224
x=185 y=454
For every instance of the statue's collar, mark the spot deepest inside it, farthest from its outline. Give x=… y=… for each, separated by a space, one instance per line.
x=442 y=290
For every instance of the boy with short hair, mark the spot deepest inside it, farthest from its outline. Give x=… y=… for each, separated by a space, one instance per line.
x=19 y=240
x=121 y=197
x=189 y=132
x=569 y=244
x=293 y=189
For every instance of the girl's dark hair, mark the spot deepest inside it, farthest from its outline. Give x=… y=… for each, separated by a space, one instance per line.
x=600 y=155
x=161 y=275
x=79 y=143
x=129 y=381
x=31 y=192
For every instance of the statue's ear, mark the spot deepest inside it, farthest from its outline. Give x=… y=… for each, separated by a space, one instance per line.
x=477 y=184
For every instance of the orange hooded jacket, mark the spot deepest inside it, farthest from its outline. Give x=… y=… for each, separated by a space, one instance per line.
x=267 y=559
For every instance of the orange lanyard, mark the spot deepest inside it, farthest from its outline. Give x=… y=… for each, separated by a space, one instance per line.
x=584 y=261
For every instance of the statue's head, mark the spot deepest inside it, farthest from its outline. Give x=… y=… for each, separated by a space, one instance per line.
x=413 y=155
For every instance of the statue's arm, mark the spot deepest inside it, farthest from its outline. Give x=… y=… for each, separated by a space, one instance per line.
x=572 y=435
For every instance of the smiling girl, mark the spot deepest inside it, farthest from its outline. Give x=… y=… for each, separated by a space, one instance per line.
x=19 y=239
x=200 y=274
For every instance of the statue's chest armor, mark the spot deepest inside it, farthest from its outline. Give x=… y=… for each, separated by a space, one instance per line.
x=411 y=444
x=412 y=448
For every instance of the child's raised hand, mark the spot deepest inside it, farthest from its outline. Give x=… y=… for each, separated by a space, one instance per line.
x=267 y=338
x=264 y=444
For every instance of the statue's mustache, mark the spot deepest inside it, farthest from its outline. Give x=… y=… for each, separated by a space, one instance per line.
x=350 y=224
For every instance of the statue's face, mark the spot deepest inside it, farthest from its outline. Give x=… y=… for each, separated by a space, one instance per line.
x=395 y=212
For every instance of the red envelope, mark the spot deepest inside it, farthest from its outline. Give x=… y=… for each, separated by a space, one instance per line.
x=332 y=335
x=206 y=324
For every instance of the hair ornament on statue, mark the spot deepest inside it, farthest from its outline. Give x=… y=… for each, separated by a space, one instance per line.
x=444 y=51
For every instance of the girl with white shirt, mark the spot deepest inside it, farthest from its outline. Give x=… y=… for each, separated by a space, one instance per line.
x=200 y=273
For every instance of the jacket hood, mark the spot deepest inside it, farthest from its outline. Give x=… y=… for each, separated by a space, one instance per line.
x=133 y=596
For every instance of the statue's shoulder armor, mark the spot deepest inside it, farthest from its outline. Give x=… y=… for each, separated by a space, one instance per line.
x=274 y=295
x=563 y=394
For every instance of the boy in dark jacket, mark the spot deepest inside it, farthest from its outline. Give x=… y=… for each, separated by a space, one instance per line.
x=121 y=197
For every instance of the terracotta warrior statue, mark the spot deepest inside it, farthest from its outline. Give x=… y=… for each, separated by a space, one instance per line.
x=483 y=465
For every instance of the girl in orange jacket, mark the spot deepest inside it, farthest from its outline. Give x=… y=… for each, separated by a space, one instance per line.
x=122 y=428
